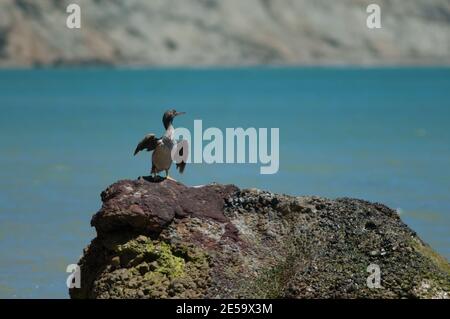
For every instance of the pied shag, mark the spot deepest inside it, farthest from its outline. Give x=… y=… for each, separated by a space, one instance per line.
x=162 y=147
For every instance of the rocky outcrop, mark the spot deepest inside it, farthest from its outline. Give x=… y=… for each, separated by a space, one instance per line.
x=166 y=240
x=232 y=32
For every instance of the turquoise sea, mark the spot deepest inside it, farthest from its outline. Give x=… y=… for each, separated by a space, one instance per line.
x=376 y=134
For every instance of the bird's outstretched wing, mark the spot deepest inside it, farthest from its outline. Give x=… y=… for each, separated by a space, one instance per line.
x=149 y=143
x=182 y=148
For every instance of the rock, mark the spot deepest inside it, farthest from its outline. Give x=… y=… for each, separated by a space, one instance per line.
x=167 y=240
x=232 y=32
x=115 y=262
x=127 y=204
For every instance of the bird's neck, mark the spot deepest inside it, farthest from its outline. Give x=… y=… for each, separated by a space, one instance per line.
x=169 y=131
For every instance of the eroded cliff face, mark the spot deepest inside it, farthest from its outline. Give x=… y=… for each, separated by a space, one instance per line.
x=232 y=32
x=166 y=240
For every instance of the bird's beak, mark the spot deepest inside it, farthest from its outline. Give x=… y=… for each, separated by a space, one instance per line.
x=179 y=113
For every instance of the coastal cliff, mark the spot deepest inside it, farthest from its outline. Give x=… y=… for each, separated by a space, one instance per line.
x=167 y=240
x=232 y=32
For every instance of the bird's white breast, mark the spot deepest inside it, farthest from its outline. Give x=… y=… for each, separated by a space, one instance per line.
x=162 y=155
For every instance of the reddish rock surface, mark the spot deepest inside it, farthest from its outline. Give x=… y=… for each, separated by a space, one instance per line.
x=143 y=205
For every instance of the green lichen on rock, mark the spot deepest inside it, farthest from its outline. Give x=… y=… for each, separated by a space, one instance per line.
x=435 y=283
x=142 y=267
x=148 y=257
x=137 y=246
x=167 y=263
x=426 y=251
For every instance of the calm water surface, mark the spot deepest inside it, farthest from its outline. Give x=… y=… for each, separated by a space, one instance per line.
x=379 y=134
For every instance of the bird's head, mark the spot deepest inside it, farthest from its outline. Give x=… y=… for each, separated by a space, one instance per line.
x=169 y=115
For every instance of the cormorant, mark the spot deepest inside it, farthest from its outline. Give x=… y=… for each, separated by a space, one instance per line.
x=162 y=147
